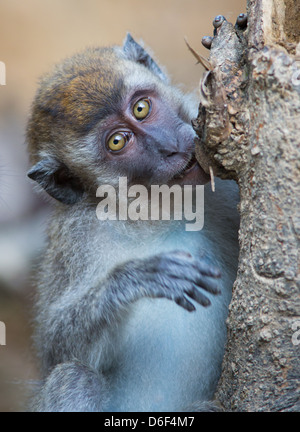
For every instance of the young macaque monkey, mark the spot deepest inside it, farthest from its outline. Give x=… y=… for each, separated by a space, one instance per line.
x=131 y=314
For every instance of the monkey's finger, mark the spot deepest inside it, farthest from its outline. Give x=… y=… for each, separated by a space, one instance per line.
x=182 y=275
x=183 y=302
x=183 y=260
x=198 y=296
x=195 y=271
x=207 y=41
x=218 y=21
x=207 y=269
x=209 y=285
x=175 y=294
x=241 y=21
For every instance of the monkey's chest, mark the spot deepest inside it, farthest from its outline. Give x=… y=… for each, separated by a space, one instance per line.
x=167 y=358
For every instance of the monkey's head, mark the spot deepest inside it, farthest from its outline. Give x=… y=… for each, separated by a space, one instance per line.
x=107 y=113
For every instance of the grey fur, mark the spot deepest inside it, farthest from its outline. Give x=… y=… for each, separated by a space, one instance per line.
x=131 y=315
x=137 y=53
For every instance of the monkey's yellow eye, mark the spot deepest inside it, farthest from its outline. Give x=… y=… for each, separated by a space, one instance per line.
x=141 y=109
x=118 y=141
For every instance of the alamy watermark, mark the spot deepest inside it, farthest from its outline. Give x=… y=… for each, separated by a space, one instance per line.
x=160 y=202
x=2 y=73
x=2 y=333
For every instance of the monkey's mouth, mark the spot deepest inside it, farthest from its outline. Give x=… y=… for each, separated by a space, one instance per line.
x=187 y=168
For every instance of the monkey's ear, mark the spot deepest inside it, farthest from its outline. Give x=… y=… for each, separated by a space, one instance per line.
x=136 y=52
x=57 y=181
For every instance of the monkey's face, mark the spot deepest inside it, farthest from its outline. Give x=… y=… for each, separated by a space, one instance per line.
x=149 y=142
x=110 y=113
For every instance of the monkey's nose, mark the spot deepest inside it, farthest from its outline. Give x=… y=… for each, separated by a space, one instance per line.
x=169 y=147
x=163 y=141
x=172 y=154
x=169 y=152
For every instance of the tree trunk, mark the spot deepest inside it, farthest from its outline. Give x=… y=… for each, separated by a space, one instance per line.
x=249 y=130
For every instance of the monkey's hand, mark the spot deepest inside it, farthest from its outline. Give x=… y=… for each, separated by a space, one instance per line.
x=174 y=275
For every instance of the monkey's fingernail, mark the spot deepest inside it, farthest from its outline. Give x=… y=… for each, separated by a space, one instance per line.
x=242 y=20
x=216 y=272
x=206 y=302
x=191 y=309
x=183 y=302
x=207 y=41
x=218 y=21
x=212 y=288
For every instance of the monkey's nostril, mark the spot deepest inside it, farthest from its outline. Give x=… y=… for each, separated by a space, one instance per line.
x=174 y=153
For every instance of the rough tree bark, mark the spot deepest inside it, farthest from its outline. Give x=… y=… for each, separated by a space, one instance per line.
x=249 y=130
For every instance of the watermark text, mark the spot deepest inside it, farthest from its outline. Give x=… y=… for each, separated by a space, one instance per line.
x=160 y=202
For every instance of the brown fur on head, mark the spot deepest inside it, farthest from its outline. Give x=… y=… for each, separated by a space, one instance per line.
x=73 y=98
x=69 y=115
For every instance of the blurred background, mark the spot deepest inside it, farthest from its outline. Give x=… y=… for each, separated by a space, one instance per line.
x=34 y=34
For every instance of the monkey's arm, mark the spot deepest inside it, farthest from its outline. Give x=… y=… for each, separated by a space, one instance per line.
x=74 y=320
